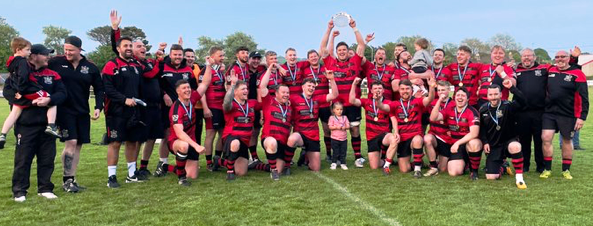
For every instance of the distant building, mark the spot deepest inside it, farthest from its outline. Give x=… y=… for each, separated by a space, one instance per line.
x=586 y=61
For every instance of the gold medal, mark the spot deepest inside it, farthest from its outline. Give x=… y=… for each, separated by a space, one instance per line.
x=376 y=119
x=283 y=119
x=497 y=127
x=311 y=115
x=489 y=79
x=406 y=120
x=460 y=84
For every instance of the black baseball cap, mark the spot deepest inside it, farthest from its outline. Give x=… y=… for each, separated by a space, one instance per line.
x=73 y=40
x=255 y=54
x=40 y=49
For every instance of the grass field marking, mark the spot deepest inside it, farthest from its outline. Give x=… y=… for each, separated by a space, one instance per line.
x=354 y=198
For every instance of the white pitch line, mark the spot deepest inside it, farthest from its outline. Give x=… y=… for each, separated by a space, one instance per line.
x=354 y=198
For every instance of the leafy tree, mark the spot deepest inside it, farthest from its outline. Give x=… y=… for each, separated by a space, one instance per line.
x=7 y=33
x=54 y=38
x=542 y=55
x=102 y=34
x=450 y=52
x=506 y=41
x=229 y=44
x=101 y=55
x=389 y=47
x=479 y=48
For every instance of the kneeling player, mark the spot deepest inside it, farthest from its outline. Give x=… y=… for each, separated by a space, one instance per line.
x=378 y=134
x=497 y=132
x=463 y=124
x=305 y=118
x=239 y=114
x=436 y=139
x=277 y=122
x=406 y=118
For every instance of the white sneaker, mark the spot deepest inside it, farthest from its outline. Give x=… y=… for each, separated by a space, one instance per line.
x=20 y=199
x=333 y=166
x=48 y=195
x=359 y=163
x=344 y=167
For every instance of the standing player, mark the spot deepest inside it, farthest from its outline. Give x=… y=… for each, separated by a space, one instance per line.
x=380 y=72
x=437 y=137
x=121 y=78
x=494 y=73
x=294 y=78
x=406 y=118
x=277 y=115
x=497 y=132
x=256 y=70
x=78 y=74
x=305 y=108
x=463 y=122
x=464 y=73
x=346 y=69
x=212 y=104
x=567 y=106
x=379 y=138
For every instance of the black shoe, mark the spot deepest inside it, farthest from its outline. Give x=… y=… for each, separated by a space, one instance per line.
x=70 y=186
x=274 y=174
x=80 y=187
x=160 y=171
x=144 y=172
x=473 y=176
x=253 y=164
x=112 y=182
x=132 y=179
x=578 y=148
x=215 y=164
x=286 y=172
x=539 y=169
x=301 y=160
x=53 y=130
x=184 y=182
x=417 y=174
x=2 y=141
x=140 y=176
x=230 y=175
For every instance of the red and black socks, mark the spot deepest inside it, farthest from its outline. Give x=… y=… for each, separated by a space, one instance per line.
x=474 y=160
x=356 y=142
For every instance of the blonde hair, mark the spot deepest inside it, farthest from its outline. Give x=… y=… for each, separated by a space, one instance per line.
x=18 y=43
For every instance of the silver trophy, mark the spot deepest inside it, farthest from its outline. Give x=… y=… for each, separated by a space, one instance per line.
x=341 y=19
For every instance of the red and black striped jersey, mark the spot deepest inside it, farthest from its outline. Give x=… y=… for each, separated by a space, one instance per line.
x=344 y=74
x=439 y=129
x=384 y=74
x=322 y=88
x=184 y=115
x=242 y=72
x=459 y=122
x=400 y=74
x=216 y=91
x=409 y=117
x=238 y=123
x=488 y=75
x=468 y=75
x=532 y=81
x=305 y=120
x=294 y=77
x=277 y=119
x=440 y=73
x=567 y=93
x=381 y=125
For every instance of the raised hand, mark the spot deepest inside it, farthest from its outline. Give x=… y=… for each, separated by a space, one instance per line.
x=162 y=46
x=180 y=41
x=210 y=61
x=336 y=33
x=576 y=52
x=115 y=20
x=352 y=23
x=330 y=25
x=357 y=81
x=432 y=82
x=370 y=37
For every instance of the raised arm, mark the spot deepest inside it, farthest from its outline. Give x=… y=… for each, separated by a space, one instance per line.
x=352 y=97
x=203 y=86
x=227 y=104
x=431 y=89
x=265 y=80
x=332 y=84
x=115 y=32
x=324 y=50
x=435 y=114
x=359 y=40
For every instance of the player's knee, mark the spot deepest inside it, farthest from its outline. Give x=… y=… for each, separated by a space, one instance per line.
x=417 y=142
x=235 y=145
x=492 y=176
x=514 y=147
x=475 y=145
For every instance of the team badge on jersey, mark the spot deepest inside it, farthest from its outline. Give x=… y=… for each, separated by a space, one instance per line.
x=65 y=133
x=185 y=76
x=48 y=80
x=84 y=69
x=551 y=75
x=124 y=69
x=175 y=118
x=568 y=78
x=538 y=73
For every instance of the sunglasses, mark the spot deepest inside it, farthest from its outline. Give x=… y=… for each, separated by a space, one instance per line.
x=560 y=57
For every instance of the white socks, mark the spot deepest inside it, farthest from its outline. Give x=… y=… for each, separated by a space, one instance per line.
x=131 y=168
x=111 y=170
x=519 y=177
x=164 y=160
